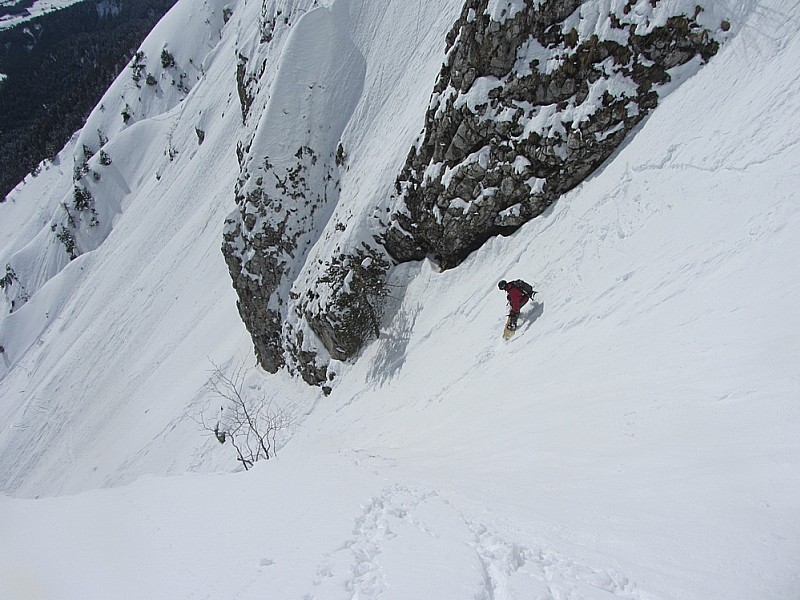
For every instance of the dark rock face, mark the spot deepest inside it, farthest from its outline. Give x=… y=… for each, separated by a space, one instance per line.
x=263 y=239
x=255 y=280
x=305 y=289
x=356 y=293
x=523 y=111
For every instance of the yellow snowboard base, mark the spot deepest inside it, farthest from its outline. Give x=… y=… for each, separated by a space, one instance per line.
x=508 y=333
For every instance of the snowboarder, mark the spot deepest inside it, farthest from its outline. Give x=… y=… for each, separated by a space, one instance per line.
x=518 y=293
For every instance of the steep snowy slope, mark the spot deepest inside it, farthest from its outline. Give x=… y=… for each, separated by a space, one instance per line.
x=638 y=438
x=155 y=215
x=95 y=330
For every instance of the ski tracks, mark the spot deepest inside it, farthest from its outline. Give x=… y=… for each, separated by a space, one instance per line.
x=515 y=570
x=359 y=567
x=414 y=543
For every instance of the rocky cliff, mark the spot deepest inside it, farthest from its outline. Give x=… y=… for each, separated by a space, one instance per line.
x=533 y=96
x=529 y=103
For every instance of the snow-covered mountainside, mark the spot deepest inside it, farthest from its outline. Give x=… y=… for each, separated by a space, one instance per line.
x=637 y=438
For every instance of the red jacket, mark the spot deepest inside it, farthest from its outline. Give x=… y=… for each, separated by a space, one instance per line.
x=516 y=297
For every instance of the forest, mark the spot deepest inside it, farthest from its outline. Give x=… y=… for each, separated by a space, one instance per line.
x=57 y=67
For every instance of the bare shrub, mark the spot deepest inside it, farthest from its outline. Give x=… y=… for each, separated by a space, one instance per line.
x=250 y=423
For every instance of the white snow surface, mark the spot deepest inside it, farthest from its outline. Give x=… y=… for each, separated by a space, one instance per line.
x=638 y=438
x=502 y=10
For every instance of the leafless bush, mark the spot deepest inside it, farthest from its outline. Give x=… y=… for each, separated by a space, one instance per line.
x=251 y=424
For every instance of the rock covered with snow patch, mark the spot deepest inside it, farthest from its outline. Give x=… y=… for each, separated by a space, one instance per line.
x=299 y=310
x=534 y=96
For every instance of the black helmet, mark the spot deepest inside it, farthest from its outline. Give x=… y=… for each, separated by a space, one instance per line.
x=502 y=284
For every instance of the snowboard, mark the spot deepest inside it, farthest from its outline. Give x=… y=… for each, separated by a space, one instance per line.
x=509 y=333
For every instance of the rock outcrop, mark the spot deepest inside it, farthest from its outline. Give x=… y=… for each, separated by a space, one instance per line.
x=528 y=104
x=275 y=221
x=288 y=190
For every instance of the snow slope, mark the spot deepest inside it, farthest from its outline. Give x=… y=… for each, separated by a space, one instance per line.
x=638 y=438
